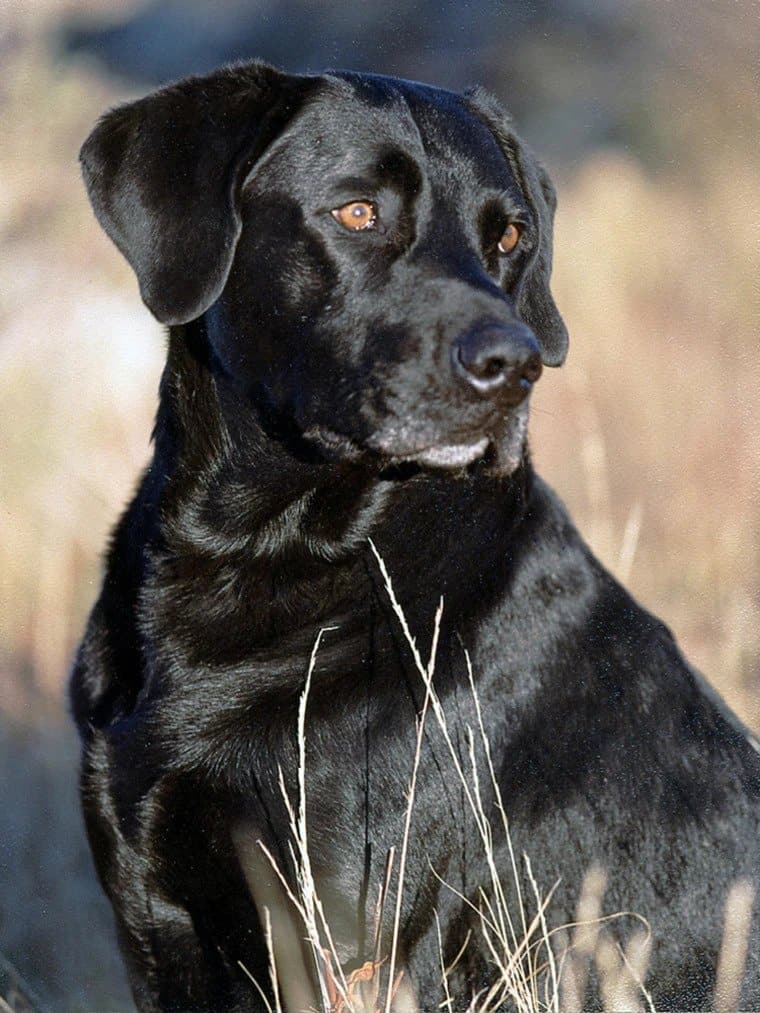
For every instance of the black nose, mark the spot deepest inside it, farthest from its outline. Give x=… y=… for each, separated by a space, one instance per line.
x=499 y=360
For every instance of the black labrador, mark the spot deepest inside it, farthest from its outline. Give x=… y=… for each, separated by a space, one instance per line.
x=355 y=271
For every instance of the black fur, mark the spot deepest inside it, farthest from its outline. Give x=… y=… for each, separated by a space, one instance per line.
x=307 y=395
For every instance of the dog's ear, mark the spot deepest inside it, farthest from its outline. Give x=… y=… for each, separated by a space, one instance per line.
x=535 y=302
x=164 y=176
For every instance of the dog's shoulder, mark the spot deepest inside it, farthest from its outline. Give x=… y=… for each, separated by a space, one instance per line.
x=608 y=646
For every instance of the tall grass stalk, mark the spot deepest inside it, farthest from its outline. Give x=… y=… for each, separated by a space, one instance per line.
x=509 y=951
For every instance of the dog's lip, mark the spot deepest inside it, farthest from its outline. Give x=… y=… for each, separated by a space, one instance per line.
x=435 y=455
x=333 y=442
x=448 y=455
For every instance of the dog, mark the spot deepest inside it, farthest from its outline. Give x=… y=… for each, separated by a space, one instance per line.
x=354 y=271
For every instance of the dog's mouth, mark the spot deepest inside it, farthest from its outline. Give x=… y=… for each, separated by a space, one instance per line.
x=499 y=451
x=448 y=455
x=444 y=456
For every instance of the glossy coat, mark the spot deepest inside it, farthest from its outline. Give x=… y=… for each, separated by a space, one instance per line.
x=308 y=381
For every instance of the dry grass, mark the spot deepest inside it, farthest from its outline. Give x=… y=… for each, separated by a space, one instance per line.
x=652 y=430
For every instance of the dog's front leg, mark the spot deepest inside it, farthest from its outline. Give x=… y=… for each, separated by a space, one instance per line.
x=174 y=961
x=167 y=967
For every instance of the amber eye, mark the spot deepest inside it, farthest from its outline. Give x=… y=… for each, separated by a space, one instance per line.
x=509 y=239
x=356 y=216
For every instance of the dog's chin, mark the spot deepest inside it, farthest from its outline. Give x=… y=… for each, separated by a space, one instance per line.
x=498 y=453
x=447 y=456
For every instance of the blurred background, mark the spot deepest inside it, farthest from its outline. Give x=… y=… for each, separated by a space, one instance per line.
x=647 y=115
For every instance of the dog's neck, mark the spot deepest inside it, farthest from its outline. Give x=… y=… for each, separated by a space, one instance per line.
x=232 y=488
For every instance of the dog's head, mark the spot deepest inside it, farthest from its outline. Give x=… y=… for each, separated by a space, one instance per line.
x=371 y=256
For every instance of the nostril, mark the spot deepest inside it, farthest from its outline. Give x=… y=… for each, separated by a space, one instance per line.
x=479 y=367
x=533 y=368
x=498 y=360
x=493 y=368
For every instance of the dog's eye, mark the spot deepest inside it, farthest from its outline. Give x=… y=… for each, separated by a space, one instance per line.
x=510 y=238
x=356 y=216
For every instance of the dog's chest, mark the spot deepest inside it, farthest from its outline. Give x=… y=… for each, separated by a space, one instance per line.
x=233 y=730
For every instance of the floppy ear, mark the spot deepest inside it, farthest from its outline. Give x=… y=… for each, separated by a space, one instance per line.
x=164 y=176
x=535 y=303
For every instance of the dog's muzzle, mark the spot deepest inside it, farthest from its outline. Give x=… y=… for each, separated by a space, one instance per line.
x=498 y=361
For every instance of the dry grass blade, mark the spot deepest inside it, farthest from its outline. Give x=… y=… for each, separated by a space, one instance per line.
x=399 y=612
x=612 y=984
x=427 y=675
x=585 y=936
x=553 y=981
x=311 y=902
x=256 y=985
x=622 y=972
x=509 y=952
x=497 y=794
x=448 y=1001
x=331 y=981
x=733 y=951
x=272 y=963
x=636 y=956
x=629 y=543
x=380 y=907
